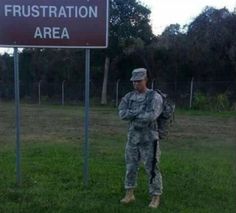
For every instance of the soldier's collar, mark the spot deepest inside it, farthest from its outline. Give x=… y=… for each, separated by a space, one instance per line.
x=145 y=92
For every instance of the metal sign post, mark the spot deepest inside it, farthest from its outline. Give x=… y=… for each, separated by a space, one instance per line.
x=54 y=24
x=86 y=117
x=17 y=103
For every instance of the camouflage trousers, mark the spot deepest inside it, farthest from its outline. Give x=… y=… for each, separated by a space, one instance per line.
x=147 y=152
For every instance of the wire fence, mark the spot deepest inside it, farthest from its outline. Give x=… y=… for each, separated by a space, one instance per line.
x=183 y=94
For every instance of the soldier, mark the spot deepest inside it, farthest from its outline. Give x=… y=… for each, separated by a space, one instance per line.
x=141 y=108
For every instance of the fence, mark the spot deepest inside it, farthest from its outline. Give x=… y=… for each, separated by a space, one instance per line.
x=69 y=92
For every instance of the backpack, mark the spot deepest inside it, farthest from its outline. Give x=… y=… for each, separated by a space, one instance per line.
x=166 y=117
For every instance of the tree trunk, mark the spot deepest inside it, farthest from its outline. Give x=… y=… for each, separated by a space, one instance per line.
x=105 y=79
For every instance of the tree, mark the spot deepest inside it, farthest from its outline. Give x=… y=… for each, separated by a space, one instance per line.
x=128 y=20
x=210 y=38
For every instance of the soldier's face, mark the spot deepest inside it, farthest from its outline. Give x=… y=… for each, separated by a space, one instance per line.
x=140 y=86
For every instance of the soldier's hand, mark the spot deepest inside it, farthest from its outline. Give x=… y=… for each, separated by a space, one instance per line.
x=134 y=113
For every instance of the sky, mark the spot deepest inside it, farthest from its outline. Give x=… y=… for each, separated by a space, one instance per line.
x=166 y=12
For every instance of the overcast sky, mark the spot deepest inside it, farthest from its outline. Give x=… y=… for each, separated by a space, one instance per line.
x=166 y=12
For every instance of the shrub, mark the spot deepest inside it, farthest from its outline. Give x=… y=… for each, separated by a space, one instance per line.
x=218 y=103
x=200 y=101
x=221 y=103
x=233 y=106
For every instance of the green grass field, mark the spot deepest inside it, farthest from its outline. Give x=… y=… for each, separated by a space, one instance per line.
x=197 y=162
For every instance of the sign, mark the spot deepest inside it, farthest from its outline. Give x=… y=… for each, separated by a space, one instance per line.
x=54 y=23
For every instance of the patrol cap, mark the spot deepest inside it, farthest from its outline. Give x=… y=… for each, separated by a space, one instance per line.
x=139 y=74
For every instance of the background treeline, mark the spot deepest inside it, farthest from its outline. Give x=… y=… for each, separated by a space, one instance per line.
x=204 y=50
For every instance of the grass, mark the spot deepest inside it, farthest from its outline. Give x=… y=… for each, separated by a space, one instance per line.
x=197 y=163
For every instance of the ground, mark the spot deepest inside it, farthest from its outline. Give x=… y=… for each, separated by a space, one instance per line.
x=197 y=162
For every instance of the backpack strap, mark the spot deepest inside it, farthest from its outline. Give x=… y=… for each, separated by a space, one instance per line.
x=163 y=95
x=150 y=94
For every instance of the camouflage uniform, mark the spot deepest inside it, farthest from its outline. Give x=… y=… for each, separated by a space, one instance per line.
x=142 y=110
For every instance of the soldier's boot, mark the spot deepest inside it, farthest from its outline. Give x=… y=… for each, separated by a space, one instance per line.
x=155 y=202
x=129 y=197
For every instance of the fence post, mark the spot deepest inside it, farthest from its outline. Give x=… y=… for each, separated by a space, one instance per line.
x=117 y=92
x=191 y=94
x=63 y=93
x=39 y=92
x=153 y=81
